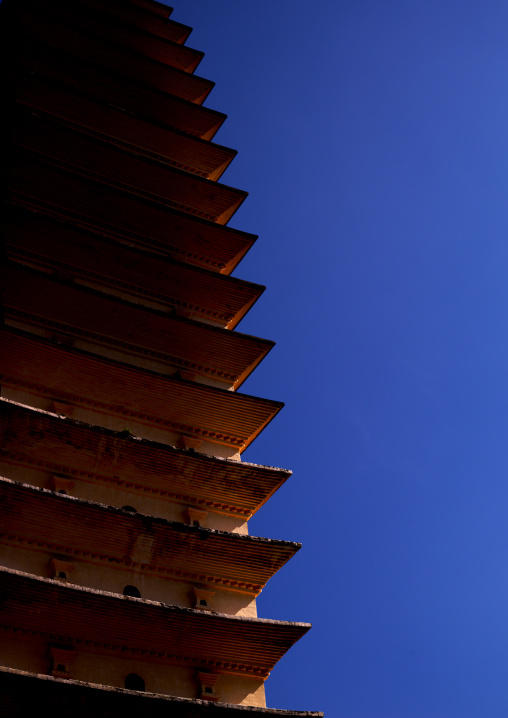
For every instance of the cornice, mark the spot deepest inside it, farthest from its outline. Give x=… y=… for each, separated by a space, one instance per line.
x=182 y=636
x=157 y=8
x=49 y=521
x=71 y=145
x=42 y=322
x=21 y=459
x=166 y=111
x=31 y=690
x=161 y=282
x=96 y=19
x=147 y=15
x=34 y=199
x=98 y=455
x=253 y=589
x=70 y=312
x=112 y=648
x=79 y=111
x=114 y=409
x=38 y=24
x=75 y=377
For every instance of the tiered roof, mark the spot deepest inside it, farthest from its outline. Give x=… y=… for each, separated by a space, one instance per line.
x=146 y=102
x=118 y=304
x=94 y=19
x=33 y=517
x=142 y=17
x=68 y=312
x=28 y=691
x=146 y=279
x=134 y=134
x=88 y=156
x=152 y=6
x=41 y=25
x=59 y=374
x=117 y=215
x=42 y=440
x=98 y=621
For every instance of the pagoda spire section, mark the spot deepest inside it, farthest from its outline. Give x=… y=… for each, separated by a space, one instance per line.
x=129 y=578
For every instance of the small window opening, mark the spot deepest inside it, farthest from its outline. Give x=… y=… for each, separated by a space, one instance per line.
x=62 y=659
x=134 y=682
x=60 y=569
x=194 y=517
x=60 y=485
x=134 y=592
x=207 y=683
x=201 y=597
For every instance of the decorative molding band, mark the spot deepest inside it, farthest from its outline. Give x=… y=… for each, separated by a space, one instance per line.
x=158 y=656
x=136 y=149
x=21 y=254
x=24 y=200
x=101 y=338
x=116 y=410
x=112 y=562
x=23 y=460
x=120 y=185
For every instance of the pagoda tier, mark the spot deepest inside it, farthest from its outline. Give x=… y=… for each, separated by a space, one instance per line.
x=84 y=154
x=24 y=693
x=95 y=82
x=129 y=273
x=38 y=24
x=79 y=382
x=111 y=327
x=133 y=134
x=126 y=566
x=87 y=620
x=151 y=6
x=142 y=18
x=114 y=214
x=94 y=456
x=46 y=522
x=96 y=20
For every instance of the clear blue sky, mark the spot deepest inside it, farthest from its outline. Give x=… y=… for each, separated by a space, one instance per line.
x=373 y=139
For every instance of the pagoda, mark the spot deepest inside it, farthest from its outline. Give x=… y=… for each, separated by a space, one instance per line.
x=128 y=576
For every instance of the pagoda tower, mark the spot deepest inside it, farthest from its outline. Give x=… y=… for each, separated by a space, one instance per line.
x=128 y=579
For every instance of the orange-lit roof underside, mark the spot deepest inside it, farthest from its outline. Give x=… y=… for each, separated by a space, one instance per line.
x=24 y=693
x=135 y=275
x=117 y=215
x=152 y=6
x=46 y=521
x=108 y=388
x=42 y=27
x=52 y=444
x=45 y=609
x=41 y=302
x=146 y=17
x=96 y=82
x=57 y=144
x=95 y=19
x=132 y=134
